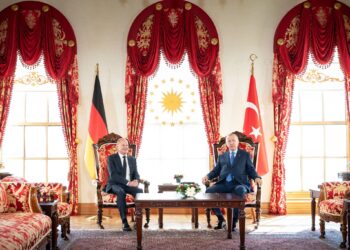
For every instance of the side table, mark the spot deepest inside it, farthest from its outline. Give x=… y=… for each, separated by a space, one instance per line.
x=314 y=194
x=168 y=187
x=50 y=209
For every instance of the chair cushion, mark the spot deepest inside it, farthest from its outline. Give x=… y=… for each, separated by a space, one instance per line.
x=18 y=196
x=4 y=204
x=112 y=198
x=13 y=179
x=103 y=153
x=22 y=230
x=336 y=189
x=331 y=206
x=64 y=209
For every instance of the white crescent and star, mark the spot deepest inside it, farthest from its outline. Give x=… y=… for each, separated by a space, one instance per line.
x=255 y=131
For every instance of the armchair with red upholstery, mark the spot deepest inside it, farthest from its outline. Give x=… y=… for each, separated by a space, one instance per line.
x=253 y=199
x=105 y=147
x=48 y=192
x=331 y=206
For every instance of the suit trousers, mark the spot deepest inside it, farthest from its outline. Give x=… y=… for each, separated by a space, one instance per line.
x=227 y=187
x=121 y=191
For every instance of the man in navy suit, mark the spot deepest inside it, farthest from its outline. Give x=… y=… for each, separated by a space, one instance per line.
x=123 y=178
x=234 y=168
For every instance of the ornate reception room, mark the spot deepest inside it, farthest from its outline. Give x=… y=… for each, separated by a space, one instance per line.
x=173 y=124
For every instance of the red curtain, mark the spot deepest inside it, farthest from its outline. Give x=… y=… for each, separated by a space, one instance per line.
x=32 y=29
x=173 y=27
x=315 y=27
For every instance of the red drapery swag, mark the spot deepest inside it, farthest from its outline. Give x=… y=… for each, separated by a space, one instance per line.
x=32 y=29
x=315 y=27
x=175 y=27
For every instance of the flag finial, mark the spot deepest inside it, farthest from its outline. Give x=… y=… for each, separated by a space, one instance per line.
x=252 y=58
x=97 y=69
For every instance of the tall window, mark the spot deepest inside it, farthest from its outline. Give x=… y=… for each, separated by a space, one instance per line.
x=318 y=137
x=174 y=139
x=34 y=145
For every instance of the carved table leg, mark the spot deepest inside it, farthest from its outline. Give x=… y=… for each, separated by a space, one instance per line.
x=160 y=219
x=242 y=229
x=139 y=227
x=229 y=223
x=195 y=211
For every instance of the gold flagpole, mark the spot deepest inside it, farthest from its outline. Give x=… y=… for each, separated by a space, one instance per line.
x=94 y=217
x=252 y=58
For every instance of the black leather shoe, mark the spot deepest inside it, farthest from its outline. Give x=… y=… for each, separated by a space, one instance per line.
x=126 y=227
x=221 y=224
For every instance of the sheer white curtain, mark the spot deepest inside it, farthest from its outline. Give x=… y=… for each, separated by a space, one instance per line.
x=174 y=139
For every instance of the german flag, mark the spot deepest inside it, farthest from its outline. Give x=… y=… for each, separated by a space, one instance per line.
x=97 y=128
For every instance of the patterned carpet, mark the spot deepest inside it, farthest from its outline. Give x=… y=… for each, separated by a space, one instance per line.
x=199 y=239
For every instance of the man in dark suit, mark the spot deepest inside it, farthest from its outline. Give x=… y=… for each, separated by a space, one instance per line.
x=233 y=169
x=123 y=178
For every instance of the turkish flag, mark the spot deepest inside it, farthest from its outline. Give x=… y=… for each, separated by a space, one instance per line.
x=253 y=127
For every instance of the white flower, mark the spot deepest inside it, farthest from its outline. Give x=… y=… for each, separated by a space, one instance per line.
x=190 y=191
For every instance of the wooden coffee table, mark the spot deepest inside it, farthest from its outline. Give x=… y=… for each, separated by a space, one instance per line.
x=163 y=200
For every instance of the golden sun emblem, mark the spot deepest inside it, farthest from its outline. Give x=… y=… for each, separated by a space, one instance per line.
x=172 y=102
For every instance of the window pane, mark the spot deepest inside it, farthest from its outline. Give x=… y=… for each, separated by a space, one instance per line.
x=35 y=170
x=58 y=171
x=311 y=103
x=333 y=167
x=335 y=140
x=171 y=142
x=35 y=141
x=312 y=140
x=198 y=169
x=293 y=145
x=295 y=116
x=293 y=180
x=54 y=112
x=15 y=167
x=312 y=167
x=56 y=143
x=17 y=107
x=38 y=107
x=334 y=106
x=151 y=133
x=201 y=148
x=13 y=142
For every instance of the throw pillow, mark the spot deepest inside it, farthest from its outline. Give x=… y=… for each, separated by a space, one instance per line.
x=4 y=205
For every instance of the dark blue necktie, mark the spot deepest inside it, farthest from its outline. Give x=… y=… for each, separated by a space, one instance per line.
x=232 y=158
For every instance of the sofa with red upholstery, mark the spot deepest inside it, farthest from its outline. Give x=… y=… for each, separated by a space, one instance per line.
x=22 y=224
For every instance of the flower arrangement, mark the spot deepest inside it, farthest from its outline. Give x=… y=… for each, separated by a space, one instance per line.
x=188 y=190
x=178 y=177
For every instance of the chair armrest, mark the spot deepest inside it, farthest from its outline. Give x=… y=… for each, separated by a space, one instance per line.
x=258 y=195
x=145 y=184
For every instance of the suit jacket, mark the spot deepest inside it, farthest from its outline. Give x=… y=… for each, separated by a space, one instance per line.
x=241 y=170
x=115 y=170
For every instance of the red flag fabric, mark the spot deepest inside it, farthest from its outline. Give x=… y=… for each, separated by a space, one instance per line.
x=97 y=127
x=253 y=127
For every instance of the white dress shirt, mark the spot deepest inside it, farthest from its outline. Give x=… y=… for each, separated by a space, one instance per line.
x=127 y=177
